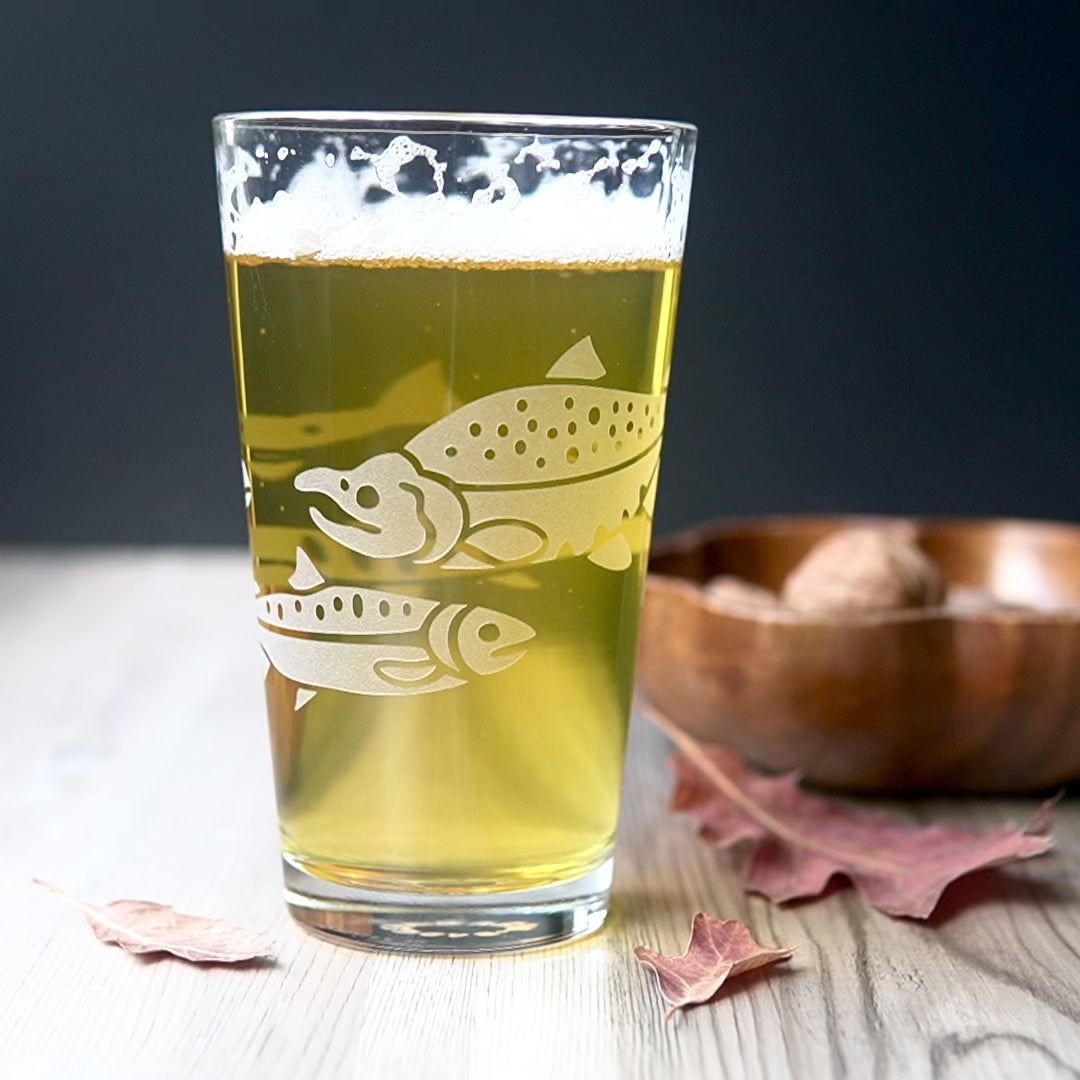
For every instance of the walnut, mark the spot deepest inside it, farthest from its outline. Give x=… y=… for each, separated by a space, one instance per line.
x=864 y=569
x=733 y=594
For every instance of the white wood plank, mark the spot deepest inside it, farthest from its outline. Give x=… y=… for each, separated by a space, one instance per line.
x=134 y=762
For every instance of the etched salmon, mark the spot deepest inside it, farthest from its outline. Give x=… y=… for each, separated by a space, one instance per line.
x=520 y=476
x=315 y=637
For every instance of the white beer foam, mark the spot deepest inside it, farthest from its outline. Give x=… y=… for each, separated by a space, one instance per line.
x=567 y=219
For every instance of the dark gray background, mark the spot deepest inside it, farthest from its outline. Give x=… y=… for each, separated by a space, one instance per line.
x=881 y=308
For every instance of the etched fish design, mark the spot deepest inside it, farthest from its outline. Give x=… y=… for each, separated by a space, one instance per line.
x=523 y=475
x=316 y=638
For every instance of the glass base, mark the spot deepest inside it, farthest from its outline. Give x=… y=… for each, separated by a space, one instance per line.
x=447 y=923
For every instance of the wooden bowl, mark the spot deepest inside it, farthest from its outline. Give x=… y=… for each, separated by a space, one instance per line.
x=929 y=699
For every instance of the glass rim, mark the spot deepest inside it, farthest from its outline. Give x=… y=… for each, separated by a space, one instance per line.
x=480 y=123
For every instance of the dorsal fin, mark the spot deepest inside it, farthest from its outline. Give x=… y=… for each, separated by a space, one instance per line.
x=305 y=576
x=578 y=362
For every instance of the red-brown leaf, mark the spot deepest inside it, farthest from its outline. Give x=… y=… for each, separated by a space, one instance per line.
x=801 y=840
x=141 y=926
x=718 y=949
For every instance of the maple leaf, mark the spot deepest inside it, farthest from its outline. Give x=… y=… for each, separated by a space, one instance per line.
x=801 y=840
x=718 y=949
x=141 y=926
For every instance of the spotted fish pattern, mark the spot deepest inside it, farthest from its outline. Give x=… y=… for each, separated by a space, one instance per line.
x=317 y=640
x=519 y=476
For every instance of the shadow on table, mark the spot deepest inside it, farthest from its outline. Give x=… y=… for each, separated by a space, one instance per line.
x=999 y=885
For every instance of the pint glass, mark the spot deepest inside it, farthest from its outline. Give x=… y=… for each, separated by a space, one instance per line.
x=451 y=338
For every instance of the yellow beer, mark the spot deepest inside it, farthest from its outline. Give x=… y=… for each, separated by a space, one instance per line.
x=452 y=470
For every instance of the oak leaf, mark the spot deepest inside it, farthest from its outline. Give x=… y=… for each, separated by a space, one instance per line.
x=800 y=840
x=141 y=926
x=718 y=949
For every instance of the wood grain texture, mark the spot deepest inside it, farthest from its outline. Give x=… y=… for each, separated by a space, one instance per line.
x=134 y=762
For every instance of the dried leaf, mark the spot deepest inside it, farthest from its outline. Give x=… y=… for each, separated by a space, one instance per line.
x=801 y=840
x=141 y=926
x=718 y=949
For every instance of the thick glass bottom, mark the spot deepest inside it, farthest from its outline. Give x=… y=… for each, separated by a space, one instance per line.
x=489 y=922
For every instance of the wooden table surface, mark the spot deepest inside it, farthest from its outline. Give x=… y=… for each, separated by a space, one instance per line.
x=134 y=763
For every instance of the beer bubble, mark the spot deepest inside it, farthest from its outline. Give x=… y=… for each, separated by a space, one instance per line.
x=338 y=605
x=357 y=605
x=594 y=415
x=572 y=455
x=384 y=608
x=320 y=611
x=520 y=447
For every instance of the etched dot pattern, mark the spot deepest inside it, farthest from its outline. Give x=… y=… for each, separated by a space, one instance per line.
x=547 y=429
x=338 y=609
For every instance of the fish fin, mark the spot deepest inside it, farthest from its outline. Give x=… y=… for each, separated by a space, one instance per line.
x=578 y=362
x=305 y=576
x=303 y=696
x=405 y=672
x=461 y=561
x=648 y=501
x=613 y=554
x=507 y=543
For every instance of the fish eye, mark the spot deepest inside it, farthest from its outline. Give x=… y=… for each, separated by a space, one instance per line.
x=488 y=632
x=367 y=497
